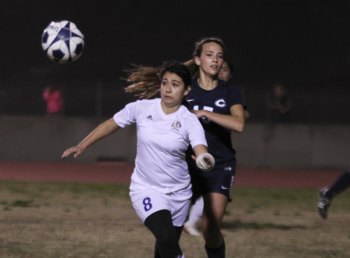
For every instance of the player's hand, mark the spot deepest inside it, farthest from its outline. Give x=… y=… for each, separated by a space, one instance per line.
x=75 y=150
x=202 y=115
x=205 y=162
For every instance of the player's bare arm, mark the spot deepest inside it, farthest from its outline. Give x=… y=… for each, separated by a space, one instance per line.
x=104 y=129
x=234 y=122
x=199 y=149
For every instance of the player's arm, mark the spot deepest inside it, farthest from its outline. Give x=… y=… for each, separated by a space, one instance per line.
x=234 y=122
x=104 y=129
x=204 y=160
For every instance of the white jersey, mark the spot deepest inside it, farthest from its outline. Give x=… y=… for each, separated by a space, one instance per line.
x=162 y=141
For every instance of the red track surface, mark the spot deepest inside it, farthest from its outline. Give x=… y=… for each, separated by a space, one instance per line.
x=119 y=172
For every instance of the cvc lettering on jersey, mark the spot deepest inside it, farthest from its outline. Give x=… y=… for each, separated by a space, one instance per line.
x=220 y=103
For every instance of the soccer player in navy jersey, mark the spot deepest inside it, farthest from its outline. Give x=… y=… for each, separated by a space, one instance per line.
x=219 y=107
x=192 y=225
x=160 y=188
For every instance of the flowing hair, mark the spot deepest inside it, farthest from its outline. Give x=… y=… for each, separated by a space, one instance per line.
x=144 y=81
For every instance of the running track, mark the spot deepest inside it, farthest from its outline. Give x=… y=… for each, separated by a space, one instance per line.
x=120 y=172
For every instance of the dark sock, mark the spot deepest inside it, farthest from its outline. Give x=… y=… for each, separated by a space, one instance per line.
x=216 y=252
x=340 y=185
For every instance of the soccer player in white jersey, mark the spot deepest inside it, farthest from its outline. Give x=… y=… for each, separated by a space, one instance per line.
x=160 y=187
x=219 y=107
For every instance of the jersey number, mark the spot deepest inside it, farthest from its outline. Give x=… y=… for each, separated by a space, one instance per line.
x=210 y=109
x=147 y=205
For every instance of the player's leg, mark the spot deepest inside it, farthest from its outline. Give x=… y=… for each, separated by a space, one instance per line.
x=216 y=190
x=153 y=208
x=327 y=194
x=156 y=248
x=340 y=185
x=167 y=236
x=196 y=210
x=194 y=217
x=214 y=209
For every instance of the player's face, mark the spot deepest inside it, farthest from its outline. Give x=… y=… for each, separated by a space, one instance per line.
x=172 y=90
x=211 y=59
x=225 y=72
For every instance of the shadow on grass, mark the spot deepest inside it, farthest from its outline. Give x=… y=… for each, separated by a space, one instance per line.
x=237 y=224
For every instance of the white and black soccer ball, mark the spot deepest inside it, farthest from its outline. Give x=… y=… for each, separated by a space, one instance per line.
x=62 y=41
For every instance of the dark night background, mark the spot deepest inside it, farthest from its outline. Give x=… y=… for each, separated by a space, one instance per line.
x=304 y=44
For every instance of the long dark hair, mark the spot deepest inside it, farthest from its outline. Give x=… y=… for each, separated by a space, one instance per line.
x=179 y=69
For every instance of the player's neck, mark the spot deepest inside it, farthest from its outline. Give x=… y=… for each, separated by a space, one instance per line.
x=169 y=109
x=207 y=83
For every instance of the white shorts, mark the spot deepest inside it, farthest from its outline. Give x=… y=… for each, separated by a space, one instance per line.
x=148 y=201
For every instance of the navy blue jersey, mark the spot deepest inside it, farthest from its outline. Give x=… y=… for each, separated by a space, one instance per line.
x=218 y=100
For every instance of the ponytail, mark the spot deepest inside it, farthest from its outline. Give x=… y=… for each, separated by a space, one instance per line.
x=144 y=81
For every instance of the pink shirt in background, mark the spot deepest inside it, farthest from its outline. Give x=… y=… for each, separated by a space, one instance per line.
x=54 y=101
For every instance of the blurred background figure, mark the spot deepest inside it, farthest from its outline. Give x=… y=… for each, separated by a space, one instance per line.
x=279 y=104
x=226 y=71
x=225 y=74
x=54 y=100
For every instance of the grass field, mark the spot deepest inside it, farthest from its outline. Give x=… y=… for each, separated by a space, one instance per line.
x=88 y=220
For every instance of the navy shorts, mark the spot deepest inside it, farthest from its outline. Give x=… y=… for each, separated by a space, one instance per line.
x=219 y=180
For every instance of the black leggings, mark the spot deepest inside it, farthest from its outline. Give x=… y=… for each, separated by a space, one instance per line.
x=340 y=185
x=166 y=234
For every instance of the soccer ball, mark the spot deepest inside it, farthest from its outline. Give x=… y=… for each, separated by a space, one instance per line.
x=62 y=41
